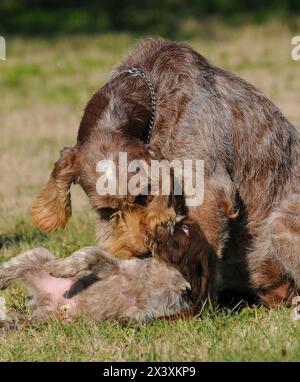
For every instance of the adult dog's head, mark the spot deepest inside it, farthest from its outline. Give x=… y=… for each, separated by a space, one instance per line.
x=111 y=184
x=114 y=122
x=116 y=119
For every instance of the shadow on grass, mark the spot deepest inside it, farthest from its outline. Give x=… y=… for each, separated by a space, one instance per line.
x=233 y=303
x=16 y=239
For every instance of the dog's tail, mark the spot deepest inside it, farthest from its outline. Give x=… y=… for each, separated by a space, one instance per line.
x=19 y=267
x=52 y=207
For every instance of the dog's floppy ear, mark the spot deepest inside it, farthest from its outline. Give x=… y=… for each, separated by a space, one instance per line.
x=52 y=207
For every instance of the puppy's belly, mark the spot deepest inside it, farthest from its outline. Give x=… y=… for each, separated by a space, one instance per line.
x=54 y=288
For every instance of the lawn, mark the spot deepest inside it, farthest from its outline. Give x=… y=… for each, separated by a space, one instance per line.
x=44 y=86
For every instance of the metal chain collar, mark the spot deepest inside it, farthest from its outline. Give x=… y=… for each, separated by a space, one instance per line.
x=138 y=72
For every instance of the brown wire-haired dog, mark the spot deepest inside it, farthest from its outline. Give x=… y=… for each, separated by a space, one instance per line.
x=202 y=112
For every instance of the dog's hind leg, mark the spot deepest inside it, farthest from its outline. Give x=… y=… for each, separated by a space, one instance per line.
x=47 y=292
x=275 y=263
x=77 y=264
x=18 y=268
x=286 y=239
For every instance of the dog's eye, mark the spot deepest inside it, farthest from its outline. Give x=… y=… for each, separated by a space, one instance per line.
x=185 y=229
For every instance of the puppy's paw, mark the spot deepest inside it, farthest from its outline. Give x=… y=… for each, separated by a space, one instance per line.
x=59 y=268
x=80 y=261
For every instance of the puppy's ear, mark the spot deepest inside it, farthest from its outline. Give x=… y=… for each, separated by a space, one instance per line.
x=52 y=207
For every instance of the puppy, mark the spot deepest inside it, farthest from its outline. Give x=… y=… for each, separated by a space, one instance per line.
x=180 y=244
x=177 y=280
x=123 y=290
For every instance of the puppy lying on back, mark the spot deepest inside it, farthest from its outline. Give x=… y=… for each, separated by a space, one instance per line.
x=124 y=290
x=180 y=244
x=100 y=286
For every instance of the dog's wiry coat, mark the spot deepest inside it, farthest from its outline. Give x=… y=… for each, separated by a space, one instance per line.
x=203 y=112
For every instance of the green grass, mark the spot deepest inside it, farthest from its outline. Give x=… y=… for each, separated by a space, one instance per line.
x=251 y=334
x=44 y=85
